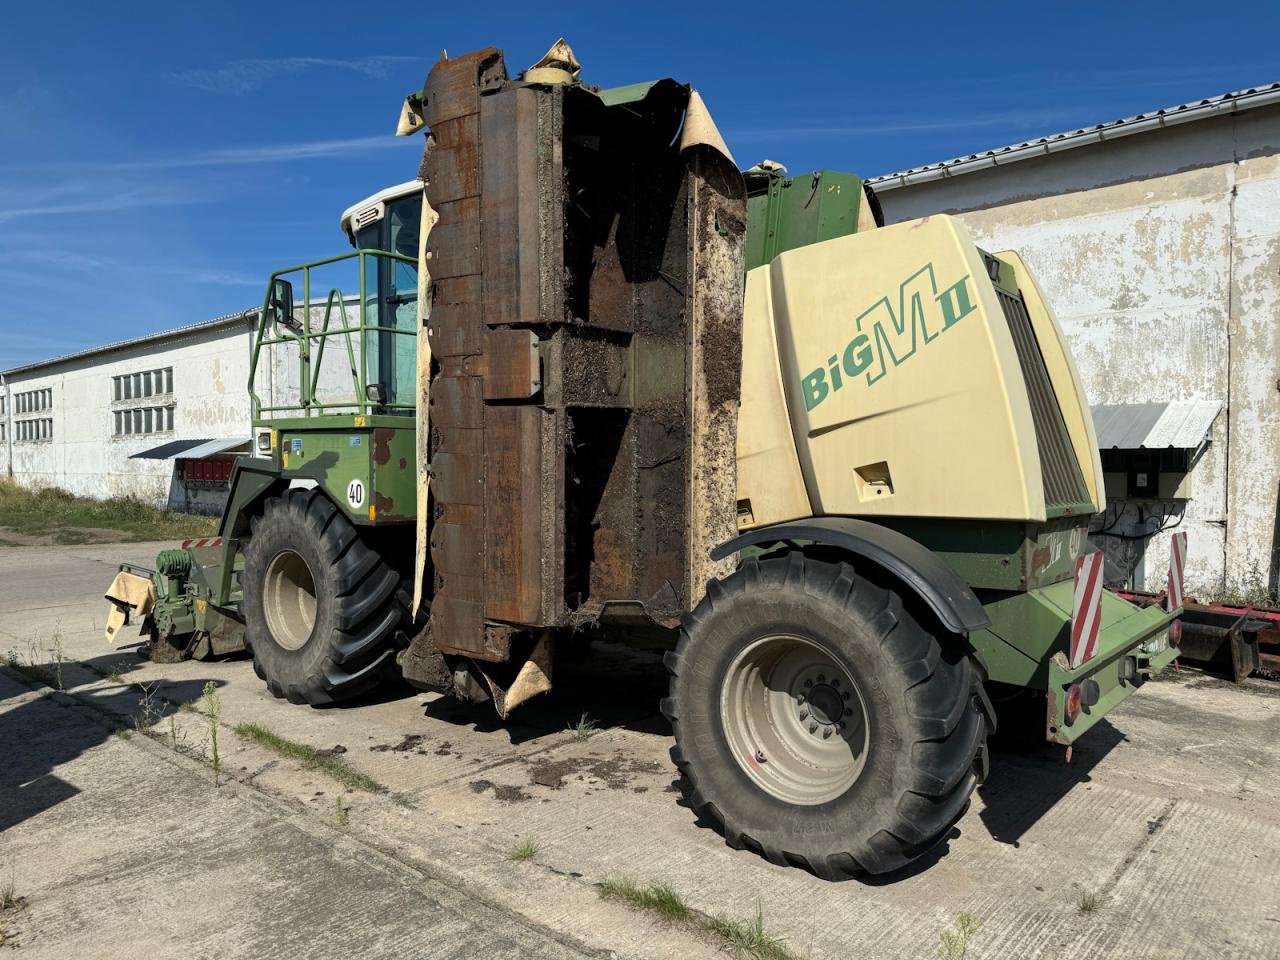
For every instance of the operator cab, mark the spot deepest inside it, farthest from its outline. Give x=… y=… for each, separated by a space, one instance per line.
x=389 y=220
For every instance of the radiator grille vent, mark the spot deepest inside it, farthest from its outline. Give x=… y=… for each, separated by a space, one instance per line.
x=1059 y=469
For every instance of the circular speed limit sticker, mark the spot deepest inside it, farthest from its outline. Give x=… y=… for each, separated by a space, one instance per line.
x=355 y=493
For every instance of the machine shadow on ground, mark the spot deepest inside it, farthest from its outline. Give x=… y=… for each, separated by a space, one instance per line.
x=45 y=733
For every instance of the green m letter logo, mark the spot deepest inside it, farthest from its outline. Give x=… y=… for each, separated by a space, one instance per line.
x=887 y=337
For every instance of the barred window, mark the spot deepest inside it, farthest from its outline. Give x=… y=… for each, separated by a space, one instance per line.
x=143 y=384
x=33 y=401
x=26 y=431
x=140 y=420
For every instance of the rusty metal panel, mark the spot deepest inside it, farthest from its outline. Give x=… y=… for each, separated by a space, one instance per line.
x=458 y=332
x=513 y=521
x=523 y=206
x=456 y=173
x=453 y=86
x=511 y=370
x=454 y=244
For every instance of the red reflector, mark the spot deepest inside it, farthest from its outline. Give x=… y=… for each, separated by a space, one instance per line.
x=1175 y=633
x=1073 y=703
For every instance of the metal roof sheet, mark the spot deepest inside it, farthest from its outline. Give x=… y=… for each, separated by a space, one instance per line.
x=246 y=317
x=213 y=447
x=167 y=451
x=1154 y=426
x=1228 y=103
x=191 y=449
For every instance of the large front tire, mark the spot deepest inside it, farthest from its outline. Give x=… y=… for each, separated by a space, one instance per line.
x=819 y=723
x=324 y=613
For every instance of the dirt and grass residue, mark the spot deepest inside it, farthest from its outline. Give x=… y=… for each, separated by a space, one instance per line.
x=738 y=937
x=327 y=761
x=50 y=516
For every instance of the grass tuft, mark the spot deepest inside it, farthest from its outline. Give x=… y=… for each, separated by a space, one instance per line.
x=955 y=943
x=584 y=729
x=744 y=938
x=526 y=849
x=1091 y=901
x=66 y=518
x=342 y=812
x=309 y=757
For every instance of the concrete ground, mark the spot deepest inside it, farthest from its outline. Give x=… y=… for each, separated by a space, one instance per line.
x=1162 y=827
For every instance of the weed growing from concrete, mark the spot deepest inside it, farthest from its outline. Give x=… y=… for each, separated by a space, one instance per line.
x=212 y=708
x=343 y=817
x=748 y=938
x=955 y=943
x=309 y=757
x=526 y=849
x=29 y=666
x=9 y=889
x=1090 y=901
x=59 y=655
x=150 y=708
x=584 y=729
x=404 y=800
x=112 y=674
x=122 y=733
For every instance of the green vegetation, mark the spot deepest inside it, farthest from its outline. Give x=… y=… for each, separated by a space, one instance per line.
x=343 y=817
x=212 y=709
x=1090 y=901
x=955 y=943
x=584 y=729
x=526 y=849
x=309 y=757
x=745 y=938
x=55 y=516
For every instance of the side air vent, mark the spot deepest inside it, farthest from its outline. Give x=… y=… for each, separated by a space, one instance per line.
x=1059 y=468
x=370 y=214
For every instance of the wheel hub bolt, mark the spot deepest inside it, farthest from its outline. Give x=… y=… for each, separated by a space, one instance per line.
x=845 y=694
x=808 y=684
x=813 y=727
x=800 y=698
x=804 y=713
x=826 y=732
x=822 y=678
x=835 y=681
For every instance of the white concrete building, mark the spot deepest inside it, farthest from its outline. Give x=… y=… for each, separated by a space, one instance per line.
x=76 y=421
x=1157 y=241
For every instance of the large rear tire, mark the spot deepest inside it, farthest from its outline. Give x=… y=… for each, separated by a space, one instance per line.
x=819 y=723
x=324 y=613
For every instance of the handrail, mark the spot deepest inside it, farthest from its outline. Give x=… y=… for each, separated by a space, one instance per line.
x=309 y=370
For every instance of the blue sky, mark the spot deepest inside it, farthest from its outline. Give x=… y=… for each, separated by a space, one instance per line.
x=158 y=160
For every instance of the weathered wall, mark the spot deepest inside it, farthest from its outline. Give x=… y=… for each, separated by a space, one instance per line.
x=1160 y=253
x=210 y=370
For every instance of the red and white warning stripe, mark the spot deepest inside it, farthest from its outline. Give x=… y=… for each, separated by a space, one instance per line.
x=203 y=542
x=1177 y=555
x=1086 y=610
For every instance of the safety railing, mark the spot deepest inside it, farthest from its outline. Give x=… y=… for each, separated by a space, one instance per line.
x=279 y=324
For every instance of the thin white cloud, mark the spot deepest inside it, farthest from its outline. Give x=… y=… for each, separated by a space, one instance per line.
x=225 y=157
x=245 y=76
x=130 y=199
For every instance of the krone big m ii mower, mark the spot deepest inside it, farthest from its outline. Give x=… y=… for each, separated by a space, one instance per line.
x=593 y=374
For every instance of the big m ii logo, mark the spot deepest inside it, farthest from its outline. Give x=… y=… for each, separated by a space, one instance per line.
x=884 y=338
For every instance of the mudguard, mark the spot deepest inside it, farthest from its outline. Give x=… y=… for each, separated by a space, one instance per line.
x=918 y=567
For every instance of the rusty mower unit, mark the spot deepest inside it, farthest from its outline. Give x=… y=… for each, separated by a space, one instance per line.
x=596 y=375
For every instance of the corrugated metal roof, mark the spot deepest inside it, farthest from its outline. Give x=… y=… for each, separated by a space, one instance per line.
x=212 y=447
x=244 y=316
x=1228 y=103
x=167 y=451
x=1154 y=426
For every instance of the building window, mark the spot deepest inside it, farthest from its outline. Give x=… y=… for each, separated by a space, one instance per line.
x=142 y=420
x=33 y=401
x=131 y=415
x=27 y=431
x=145 y=383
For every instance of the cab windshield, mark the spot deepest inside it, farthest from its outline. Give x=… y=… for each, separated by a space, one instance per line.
x=392 y=304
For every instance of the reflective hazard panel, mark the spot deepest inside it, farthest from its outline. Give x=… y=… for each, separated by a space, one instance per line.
x=1086 y=610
